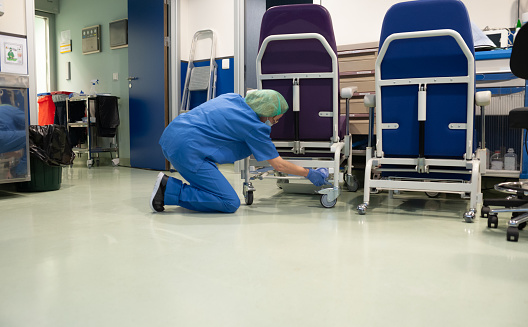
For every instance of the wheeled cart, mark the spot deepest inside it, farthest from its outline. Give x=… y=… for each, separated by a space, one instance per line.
x=94 y=144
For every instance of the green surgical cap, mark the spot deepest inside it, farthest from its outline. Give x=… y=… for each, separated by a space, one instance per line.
x=266 y=103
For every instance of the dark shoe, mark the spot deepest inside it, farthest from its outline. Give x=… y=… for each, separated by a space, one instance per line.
x=158 y=194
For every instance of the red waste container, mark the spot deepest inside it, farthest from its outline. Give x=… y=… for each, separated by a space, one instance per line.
x=46 y=109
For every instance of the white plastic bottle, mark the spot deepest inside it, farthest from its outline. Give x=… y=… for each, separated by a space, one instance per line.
x=510 y=160
x=93 y=90
x=496 y=161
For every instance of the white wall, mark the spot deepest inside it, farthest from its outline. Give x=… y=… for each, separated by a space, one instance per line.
x=197 y=15
x=493 y=13
x=14 y=18
x=360 y=21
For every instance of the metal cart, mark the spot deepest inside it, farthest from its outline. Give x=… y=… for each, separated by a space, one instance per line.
x=92 y=146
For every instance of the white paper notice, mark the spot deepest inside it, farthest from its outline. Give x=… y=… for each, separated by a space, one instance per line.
x=65 y=42
x=13 y=55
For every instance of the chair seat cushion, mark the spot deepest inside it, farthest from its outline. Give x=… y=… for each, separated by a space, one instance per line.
x=518 y=118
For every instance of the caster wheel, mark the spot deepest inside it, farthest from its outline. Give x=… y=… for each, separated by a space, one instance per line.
x=327 y=204
x=484 y=211
x=493 y=220
x=469 y=216
x=362 y=209
x=354 y=184
x=512 y=234
x=352 y=188
x=249 y=198
x=521 y=226
x=432 y=194
x=89 y=163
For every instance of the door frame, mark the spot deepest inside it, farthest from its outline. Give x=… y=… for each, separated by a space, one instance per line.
x=240 y=81
x=32 y=71
x=174 y=59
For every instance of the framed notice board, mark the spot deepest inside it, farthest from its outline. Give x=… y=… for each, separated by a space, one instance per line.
x=118 y=34
x=91 y=39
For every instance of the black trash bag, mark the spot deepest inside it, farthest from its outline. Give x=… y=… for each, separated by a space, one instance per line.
x=50 y=144
x=107 y=116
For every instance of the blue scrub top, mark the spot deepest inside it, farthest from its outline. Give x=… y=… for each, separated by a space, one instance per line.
x=12 y=129
x=223 y=130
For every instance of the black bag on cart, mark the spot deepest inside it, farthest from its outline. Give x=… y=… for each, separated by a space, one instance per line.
x=107 y=116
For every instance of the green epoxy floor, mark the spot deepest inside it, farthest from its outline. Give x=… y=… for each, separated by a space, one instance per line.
x=92 y=254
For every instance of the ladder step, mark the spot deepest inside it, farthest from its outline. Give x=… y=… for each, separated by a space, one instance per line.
x=199 y=79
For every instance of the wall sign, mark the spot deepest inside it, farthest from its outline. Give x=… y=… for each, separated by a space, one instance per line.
x=65 y=42
x=13 y=56
x=91 y=39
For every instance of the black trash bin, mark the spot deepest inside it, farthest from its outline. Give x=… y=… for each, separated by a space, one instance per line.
x=49 y=151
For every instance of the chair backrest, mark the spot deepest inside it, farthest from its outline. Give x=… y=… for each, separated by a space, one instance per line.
x=429 y=58
x=519 y=55
x=300 y=56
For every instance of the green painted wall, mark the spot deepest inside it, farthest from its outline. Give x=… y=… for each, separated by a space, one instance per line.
x=75 y=15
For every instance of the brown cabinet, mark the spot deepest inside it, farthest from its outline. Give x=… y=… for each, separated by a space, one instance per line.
x=356 y=68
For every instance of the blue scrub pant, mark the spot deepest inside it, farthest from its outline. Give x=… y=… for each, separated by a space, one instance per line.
x=208 y=191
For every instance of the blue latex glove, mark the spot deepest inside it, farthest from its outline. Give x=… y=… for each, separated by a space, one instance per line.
x=318 y=176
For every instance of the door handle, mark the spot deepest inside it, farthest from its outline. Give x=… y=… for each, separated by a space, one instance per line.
x=130 y=79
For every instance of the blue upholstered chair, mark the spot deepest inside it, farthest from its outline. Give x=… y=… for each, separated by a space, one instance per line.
x=424 y=103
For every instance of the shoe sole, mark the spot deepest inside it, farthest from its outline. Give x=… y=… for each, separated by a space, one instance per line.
x=156 y=187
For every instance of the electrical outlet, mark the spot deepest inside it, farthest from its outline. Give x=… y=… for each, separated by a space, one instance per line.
x=225 y=63
x=116 y=76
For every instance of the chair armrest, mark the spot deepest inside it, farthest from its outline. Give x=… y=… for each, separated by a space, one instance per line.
x=370 y=101
x=483 y=98
x=348 y=92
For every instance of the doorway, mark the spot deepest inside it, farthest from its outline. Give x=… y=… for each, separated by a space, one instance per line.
x=42 y=54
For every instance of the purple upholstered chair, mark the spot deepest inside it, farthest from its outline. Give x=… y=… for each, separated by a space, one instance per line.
x=297 y=57
x=300 y=56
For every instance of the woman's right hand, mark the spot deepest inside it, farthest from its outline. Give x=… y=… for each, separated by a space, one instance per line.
x=318 y=176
